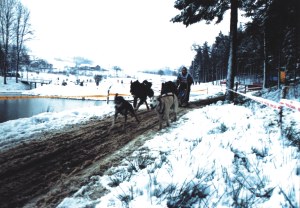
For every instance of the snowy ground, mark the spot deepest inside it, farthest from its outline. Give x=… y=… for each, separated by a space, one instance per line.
x=222 y=155
x=16 y=131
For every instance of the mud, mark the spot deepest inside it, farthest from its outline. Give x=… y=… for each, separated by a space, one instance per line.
x=53 y=165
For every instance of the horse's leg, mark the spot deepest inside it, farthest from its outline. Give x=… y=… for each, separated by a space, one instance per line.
x=147 y=105
x=139 y=104
x=134 y=102
x=125 y=121
x=113 y=122
x=132 y=112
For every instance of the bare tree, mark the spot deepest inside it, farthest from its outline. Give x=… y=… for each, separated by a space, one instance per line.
x=7 y=18
x=22 y=32
x=117 y=68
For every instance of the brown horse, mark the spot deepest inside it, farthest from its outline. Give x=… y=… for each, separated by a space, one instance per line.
x=140 y=91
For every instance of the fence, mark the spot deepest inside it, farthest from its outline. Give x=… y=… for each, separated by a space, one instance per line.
x=283 y=102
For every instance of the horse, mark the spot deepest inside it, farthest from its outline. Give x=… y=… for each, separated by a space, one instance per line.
x=168 y=87
x=164 y=104
x=140 y=91
x=180 y=91
x=122 y=107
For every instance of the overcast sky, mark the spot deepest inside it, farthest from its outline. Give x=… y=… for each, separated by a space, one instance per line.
x=132 y=34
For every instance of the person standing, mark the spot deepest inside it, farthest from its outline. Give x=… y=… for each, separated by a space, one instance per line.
x=184 y=82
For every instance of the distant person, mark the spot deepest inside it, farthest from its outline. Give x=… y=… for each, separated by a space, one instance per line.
x=184 y=81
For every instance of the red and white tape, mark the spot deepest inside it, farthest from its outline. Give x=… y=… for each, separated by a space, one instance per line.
x=292 y=104
x=266 y=102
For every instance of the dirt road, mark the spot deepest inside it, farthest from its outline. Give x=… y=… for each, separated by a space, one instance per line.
x=54 y=165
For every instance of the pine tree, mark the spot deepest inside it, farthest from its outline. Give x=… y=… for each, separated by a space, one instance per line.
x=193 y=11
x=279 y=23
x=219 y=56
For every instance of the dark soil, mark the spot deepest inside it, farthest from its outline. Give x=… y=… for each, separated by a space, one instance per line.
x=53 y=165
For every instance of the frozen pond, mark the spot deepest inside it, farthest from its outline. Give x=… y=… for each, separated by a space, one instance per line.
x=22 y=108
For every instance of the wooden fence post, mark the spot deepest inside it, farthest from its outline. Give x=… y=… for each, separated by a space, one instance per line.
x=236 y=86
x=107 y=100
x=108 y=94
x=282 y=96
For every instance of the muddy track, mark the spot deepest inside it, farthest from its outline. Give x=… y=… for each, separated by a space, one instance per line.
x=54 y=165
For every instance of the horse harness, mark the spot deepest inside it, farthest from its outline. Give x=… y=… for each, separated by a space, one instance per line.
x=160 y=105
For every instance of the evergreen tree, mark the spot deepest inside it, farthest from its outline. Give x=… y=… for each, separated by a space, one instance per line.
x=278 y=22
x=250 y=55
x=193 y=11
x=197 y=63
x=206 y=63
x=219 y=56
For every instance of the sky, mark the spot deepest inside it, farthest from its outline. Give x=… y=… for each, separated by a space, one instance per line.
x=220 y=154
x=134 y=35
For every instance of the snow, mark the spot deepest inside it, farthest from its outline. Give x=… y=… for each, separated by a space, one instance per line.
x=221 y=155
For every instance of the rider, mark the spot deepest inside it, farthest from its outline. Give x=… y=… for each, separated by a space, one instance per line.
x=184 y=81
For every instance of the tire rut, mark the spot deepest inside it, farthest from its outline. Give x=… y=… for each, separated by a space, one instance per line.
x=54 y=165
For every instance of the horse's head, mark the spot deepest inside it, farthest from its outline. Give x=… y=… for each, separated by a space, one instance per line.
x=118 y=99
x=147 y=84
x=148 y=89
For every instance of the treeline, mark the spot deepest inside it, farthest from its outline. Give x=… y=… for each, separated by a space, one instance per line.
x=266 y=45
x=14 y=32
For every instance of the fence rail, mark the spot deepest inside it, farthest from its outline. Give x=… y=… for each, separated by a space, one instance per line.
x=34 y=82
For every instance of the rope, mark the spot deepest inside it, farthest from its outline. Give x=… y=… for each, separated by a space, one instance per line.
x=57 y=96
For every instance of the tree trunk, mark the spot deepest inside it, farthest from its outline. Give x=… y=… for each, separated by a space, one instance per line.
x=266 y=62
x=17 y=67
x=231 y=69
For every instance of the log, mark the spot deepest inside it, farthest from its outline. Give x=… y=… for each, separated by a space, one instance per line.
x=209 y=101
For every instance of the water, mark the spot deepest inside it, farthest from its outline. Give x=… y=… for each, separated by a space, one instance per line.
x=23 y=108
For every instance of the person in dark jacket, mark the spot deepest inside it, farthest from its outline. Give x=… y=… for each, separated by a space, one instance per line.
x=184 y=81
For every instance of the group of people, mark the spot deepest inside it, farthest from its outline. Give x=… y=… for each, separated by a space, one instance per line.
x=184 y=82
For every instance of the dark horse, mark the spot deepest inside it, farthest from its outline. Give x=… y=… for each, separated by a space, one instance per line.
x=168 y=87
x=181 y=92
x=141 y=91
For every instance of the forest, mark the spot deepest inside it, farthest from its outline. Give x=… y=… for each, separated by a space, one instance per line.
x=265 y=48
